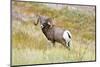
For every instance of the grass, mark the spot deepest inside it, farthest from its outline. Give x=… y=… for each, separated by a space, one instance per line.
x=53 y=55
x=30 y=46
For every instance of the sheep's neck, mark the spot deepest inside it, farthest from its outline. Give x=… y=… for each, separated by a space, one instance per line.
x=45 y=30
x=48 y=32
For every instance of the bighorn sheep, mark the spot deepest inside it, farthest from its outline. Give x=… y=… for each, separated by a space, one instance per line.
x=53 y=33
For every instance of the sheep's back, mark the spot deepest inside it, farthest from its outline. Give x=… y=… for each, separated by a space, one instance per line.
x=58 y=34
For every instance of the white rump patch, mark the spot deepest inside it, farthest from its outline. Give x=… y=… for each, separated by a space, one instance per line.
x=66 y=36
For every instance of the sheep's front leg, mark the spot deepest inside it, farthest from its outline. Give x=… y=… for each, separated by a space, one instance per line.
x=53 y=42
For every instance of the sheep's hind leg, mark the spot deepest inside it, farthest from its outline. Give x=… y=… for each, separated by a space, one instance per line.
x=65 y=45
x=68 y=45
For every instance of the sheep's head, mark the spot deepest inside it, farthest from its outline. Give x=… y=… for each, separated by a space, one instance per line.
x=43 y=20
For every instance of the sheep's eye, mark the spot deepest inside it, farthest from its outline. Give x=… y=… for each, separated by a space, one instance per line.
x=42 y=26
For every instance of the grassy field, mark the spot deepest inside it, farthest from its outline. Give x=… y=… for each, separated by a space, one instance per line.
x=30 y=46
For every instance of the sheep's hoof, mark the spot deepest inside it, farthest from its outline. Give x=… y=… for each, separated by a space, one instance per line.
x=68 y=48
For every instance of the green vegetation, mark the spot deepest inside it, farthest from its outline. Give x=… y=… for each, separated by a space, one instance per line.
x=30 y=46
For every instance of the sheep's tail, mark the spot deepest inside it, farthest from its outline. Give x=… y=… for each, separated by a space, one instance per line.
x=69 y=35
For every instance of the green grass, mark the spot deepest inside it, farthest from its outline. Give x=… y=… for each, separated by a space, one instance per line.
x=30 y=46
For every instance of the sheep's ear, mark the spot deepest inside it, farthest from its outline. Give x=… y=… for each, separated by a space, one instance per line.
x=49 y=23
x=49 y=20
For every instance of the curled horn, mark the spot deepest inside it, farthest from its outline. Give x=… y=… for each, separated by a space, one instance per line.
x=38 y=19
x=50 y=22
